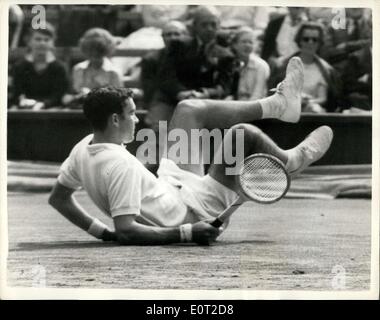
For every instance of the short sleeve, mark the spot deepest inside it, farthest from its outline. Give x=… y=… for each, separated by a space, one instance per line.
x=68 y=175
x=124 y=190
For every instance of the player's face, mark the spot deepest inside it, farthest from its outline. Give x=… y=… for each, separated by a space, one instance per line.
x=244 y=45
x=309 y=41
x=40 y=43
x=128 y=121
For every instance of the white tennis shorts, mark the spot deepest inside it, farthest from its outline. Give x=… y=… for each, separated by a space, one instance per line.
x=204 y=196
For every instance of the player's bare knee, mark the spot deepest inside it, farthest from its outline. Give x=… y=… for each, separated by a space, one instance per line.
x=252 y=134
x=194 y=104
x=248 y=129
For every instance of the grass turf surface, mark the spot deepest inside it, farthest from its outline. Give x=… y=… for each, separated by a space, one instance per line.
x=293 y=244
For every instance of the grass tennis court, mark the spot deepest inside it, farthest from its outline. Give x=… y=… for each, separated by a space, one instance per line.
x=293 y=244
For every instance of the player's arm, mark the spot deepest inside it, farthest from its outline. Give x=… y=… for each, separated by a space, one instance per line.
x=62 y=199
x=130 y=232
x=124 y=184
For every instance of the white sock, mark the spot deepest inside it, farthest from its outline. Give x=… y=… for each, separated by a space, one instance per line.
x=271 y=107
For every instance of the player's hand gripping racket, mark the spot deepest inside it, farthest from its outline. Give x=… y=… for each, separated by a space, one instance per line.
x=262 y=178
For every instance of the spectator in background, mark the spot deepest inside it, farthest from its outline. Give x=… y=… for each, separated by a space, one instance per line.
x=340 y=43
x=148 y=36
x=153 y=64
x=322 y=85
x=257 y=18
x=155 y=68
x=97 y=71
x=357 y=80
x=203 y=67
x=252 y=72
x=278 y=43
x=39 y=79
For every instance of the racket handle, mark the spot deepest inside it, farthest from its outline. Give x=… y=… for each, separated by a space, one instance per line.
x=227 y=213
x=217 y=223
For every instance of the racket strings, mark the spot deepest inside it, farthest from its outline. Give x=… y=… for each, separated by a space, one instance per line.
x=263 y=179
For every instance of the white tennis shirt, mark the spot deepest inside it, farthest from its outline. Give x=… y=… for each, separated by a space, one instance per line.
x=120 y=185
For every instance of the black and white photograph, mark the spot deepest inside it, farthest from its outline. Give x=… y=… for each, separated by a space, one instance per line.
x=189 y=151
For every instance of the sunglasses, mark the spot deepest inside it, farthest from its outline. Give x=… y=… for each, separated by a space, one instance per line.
x=171 y=34
x=308 y=39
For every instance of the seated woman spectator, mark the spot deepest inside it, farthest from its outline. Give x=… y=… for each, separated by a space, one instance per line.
x=39 y=80
x=322 y=85
x=97 y=71
x=252 y=72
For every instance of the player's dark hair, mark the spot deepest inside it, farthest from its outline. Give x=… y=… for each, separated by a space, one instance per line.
x=310 y=25
x=102 y=102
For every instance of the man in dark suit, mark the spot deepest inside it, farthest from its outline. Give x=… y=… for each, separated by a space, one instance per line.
x=156 y=68
x=196 y=68
x=278 y=42
x=156 y=65
x=203 y=67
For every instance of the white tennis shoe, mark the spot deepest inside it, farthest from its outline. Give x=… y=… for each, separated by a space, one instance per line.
x=312 y=148
x=290 y=90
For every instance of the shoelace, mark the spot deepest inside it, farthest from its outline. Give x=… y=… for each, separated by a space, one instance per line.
x=309 y=150
x=280 y=87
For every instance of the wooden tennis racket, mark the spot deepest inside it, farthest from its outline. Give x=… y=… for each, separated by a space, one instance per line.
x=262 y=178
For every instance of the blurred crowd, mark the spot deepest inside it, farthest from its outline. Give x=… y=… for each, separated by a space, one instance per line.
x=201 y=52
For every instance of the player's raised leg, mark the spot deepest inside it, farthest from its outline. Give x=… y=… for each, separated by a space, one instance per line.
x=311 y=149
x=284 y=105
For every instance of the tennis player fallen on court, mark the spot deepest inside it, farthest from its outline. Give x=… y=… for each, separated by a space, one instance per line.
x=181 y=203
